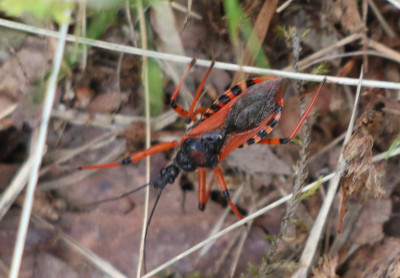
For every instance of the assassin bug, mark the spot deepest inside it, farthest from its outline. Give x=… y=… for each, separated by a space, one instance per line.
x=243 y=115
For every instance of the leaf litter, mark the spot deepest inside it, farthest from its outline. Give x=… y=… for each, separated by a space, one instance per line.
x=112 y=230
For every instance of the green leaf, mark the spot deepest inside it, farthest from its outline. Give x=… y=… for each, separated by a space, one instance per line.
x=41 y=9
x=193 y=275
x=234 y=13
x=270 y=237
x=155 y=87
x=311 y=191
x=253 y=270
x=238 y=22
x=394 y=146
x=322 y=68
x=100 y=21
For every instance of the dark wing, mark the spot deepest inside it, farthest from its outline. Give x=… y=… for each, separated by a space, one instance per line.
x=253 y=116
x=215 y=116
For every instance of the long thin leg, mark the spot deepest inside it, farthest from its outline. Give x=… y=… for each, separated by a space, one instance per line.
x=135 y=156
x=278 y=141
x=189 y=115
x=198 y=93
x=204 y=194
x=178 y=109
x=224 y=188
x=202 y=189
x=209 y=187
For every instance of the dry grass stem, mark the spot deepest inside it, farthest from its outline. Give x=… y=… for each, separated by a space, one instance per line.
x=395 y=55
x=385 y=25
x=115 y=122
x=323 y=52
x=284 y=6
x=201 y=62
x=145 y=82
x=15 y=187
x=177 y=6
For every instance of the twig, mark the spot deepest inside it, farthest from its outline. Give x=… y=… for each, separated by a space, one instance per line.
x=15 y=187
x=114 y=123
x=385 y=25
x=283 y=6
x=349 y=54
x=7 y=111
x=315 y=234
x=327 y=50
x=383 y=49
x=82 y=14
x=201 y=62
x=177 y=6
x=48 y=104
x=395 y=3
x=130 y=24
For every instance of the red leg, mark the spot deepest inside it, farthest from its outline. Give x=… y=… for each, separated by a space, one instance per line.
x=178 y=109
x=202 y=189
x=278 y=141
x=189 y=115
x=136 y=156
x=199 y=90
x=209 y=188
x=225 y=191
x=204 y=195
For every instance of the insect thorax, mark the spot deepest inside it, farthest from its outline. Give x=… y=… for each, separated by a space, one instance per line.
x=201 y=152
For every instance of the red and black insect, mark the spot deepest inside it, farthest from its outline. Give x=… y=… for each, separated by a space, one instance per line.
x=243 y=115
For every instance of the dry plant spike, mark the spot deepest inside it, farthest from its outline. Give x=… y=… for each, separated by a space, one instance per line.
x=315 y=234
x=363 y=178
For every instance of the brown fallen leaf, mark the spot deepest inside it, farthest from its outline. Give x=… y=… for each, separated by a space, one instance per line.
x=346 y=12
x=378 y=260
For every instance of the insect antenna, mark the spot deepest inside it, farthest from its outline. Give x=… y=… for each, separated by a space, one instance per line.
x=167 y=176
x=147 y=227
x=118 y=197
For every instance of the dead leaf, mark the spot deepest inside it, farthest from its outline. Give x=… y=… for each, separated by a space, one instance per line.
x=346 y=12
x=105 y=103
x=378 y=260
x=257 y=159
